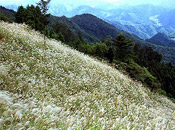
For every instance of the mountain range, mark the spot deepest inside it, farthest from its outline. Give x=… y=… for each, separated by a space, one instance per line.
x=144 y=21
x=92 y=27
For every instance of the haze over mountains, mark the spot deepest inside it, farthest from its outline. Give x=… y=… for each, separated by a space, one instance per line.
x=144 y=19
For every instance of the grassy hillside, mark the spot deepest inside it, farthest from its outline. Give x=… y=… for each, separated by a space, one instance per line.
x=53 y=86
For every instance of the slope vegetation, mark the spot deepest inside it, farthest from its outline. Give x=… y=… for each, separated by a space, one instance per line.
x=92 y=27
x=53 y=86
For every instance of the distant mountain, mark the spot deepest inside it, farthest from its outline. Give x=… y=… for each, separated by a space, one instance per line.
x=92 y=27
x=95 y=26
x=162 y=40
x=142 y=20
x=7 y=12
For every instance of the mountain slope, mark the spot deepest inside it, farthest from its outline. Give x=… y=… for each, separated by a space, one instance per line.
x=53 y=86
x=7 y=12
x=162 y=40
x=92 y=27
x=95 y=26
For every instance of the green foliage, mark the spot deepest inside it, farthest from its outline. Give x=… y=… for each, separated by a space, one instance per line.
x=110 y=54
x=139 y=73
x=44 y=6
x=161 y=91
x=62 y=30
x=61 y=37
x=80 y=37
x=100 y=49
x=5 y=18
x=20 y=15
x=32 y=16
x=52 y=34
x=84 y=47
x=123 y=49
x=164 y=72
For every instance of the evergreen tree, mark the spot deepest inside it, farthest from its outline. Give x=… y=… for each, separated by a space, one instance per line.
x=123 y=49
x=58 y=27
x=80 y=36
x=44 y=8
x=61 y=37
x=100 y=49
x=52 y=33
x=110 y=54
x=32 y=16
x=20 y=15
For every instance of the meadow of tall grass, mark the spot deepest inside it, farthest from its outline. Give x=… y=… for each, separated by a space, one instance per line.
x=52 y=86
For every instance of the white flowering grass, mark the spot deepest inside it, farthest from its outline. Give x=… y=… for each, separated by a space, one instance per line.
x=55 y=87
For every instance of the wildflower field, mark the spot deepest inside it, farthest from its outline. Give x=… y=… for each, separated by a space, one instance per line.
x=52 y=86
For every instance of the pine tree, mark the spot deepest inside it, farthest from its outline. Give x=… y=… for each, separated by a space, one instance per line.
x=32 y=16
x=123 y=49
x=80 y=36
x=44 y=8
x=20 y=15
x=110 y=54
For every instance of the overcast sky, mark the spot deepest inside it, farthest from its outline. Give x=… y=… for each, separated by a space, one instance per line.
x=91 y=2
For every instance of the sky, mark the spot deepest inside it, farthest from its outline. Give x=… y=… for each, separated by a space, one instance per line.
x=97 y=3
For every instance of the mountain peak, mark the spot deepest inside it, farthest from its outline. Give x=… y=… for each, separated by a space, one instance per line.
x=86 y=15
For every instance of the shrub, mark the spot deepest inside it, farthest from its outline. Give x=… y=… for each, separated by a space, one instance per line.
x=139 y=73
x=161 y=91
